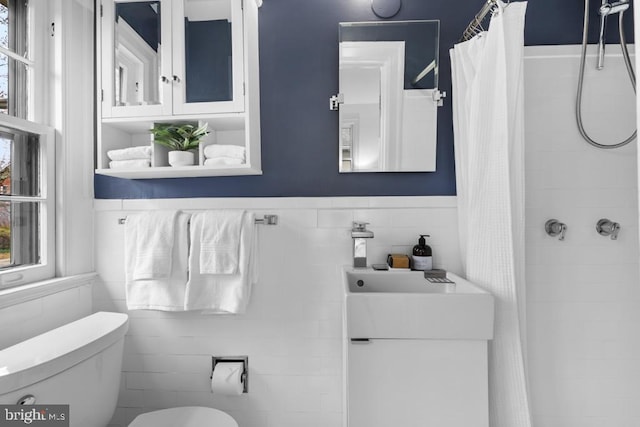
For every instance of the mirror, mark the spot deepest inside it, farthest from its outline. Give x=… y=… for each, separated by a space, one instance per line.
x=389 y=96
x=137 y=53
x=201 y=37
x=208 y=51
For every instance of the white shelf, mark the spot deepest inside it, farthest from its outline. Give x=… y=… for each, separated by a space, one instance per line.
x=229 y=121
x=180 y=172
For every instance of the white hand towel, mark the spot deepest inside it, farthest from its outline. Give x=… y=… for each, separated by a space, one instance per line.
x=154 y=243
x=167 y=293
x=222 y=150
x=223 y=161
x=223 y=294
x=129 y=164
x=132 y=153
x=219 y=241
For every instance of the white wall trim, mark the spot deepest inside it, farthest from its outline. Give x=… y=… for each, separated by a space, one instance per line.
x=571 y=51
x=20 y=294
x=73 y=119
x=398 y=202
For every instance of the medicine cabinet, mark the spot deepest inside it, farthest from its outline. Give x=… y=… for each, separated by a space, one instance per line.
x=178 y=61
x=388 y=99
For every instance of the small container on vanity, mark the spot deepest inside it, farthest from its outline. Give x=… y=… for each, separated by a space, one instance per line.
x=398 y=261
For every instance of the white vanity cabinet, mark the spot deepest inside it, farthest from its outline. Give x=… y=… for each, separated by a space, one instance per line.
x=178 y=61
x=415 y=382
x=415 y=352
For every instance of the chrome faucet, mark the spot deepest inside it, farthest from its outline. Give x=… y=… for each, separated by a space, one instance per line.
x=360 y=234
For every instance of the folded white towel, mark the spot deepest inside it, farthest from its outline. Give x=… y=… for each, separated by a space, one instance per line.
x=154 y=244
x=223 y=161
x=219 y=241
x=167 y=293
x=129 y=164
x=132 y=153
x=221 y=150
x=222 y=294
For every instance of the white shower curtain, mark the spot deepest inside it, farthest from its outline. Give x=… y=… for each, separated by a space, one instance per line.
x=489 y=145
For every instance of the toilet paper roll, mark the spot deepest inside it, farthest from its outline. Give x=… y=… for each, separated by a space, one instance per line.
x=227 y=378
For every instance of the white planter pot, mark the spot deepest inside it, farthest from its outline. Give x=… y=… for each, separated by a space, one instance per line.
x=181 y=158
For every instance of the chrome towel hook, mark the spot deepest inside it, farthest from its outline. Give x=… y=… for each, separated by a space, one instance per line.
x=606 y=227
x=554 y=228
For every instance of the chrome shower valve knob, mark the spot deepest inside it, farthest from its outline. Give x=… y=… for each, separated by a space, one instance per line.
x=606 y=227
x=554 y=228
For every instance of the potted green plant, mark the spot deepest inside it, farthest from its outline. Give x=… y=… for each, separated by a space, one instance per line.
x=180 y=139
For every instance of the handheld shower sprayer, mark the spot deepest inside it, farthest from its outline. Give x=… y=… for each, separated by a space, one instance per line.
x=605 y=10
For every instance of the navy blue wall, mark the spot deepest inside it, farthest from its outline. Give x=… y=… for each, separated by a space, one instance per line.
x=298 y=74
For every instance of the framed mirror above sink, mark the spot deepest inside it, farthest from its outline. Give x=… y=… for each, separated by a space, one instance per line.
x=388 y=96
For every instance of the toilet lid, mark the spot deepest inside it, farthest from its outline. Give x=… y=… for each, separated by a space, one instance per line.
x=186 y=416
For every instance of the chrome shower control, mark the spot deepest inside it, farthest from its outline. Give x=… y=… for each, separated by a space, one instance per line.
x=554 y=228
x=606 y=227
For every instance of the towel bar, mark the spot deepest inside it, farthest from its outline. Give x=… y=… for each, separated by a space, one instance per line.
x=266 y=220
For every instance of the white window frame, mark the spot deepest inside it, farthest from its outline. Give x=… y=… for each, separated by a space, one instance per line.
x=35 y=124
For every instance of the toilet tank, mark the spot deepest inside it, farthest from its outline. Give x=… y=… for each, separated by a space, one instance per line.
x=77 y=364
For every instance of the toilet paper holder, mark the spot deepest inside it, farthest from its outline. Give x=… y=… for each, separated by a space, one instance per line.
x=245 y=369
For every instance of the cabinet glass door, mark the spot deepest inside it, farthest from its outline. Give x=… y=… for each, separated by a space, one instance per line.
x=136 y=71
x=207 y=56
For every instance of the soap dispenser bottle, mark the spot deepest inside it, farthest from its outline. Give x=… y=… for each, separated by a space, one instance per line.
x=422 y=259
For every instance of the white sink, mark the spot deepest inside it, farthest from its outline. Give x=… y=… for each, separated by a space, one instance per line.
x=403 y=304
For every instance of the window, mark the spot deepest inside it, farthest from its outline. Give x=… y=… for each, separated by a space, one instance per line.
x=26 y=154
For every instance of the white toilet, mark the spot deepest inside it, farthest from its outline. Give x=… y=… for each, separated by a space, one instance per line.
x=184 y=416
x=79 y=364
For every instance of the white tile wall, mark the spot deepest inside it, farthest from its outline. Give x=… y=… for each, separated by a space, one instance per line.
x=583 y=294
x=291 y=331
x=30 y=318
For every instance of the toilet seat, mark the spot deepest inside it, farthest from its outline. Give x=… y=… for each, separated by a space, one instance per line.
x=186 y=416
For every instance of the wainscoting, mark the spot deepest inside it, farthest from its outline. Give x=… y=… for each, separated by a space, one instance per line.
x=292 y=329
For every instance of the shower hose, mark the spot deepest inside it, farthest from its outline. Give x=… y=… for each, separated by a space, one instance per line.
x=627 y=61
